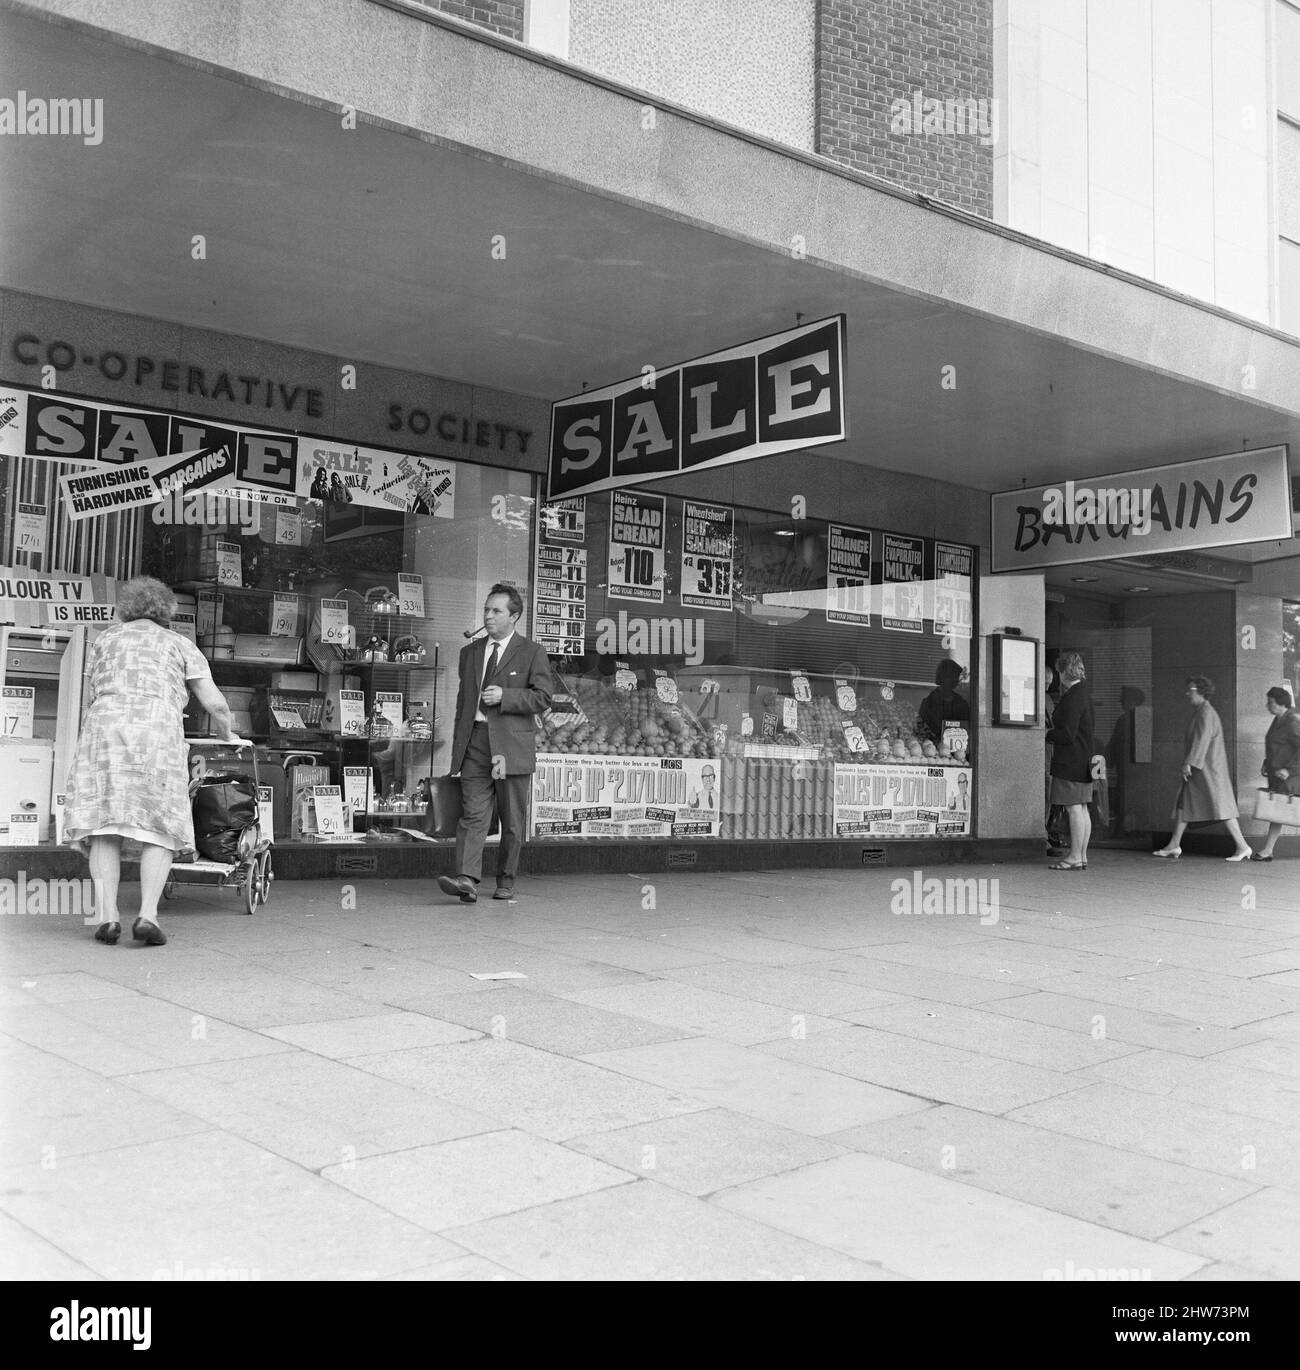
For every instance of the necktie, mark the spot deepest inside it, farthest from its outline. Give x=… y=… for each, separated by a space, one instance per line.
x=493 y=656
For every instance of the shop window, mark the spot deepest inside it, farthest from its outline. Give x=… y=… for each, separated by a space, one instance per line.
x=1291 y=645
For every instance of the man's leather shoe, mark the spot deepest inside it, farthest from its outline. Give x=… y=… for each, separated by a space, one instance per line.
x=460 y=885
x=148 y=933
x=505 y=889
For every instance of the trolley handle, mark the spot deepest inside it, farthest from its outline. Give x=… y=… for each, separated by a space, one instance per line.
x=236 y=742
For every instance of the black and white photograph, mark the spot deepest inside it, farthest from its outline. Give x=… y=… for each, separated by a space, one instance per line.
x=650 y=642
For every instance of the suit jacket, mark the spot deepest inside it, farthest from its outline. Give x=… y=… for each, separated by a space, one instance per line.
x=527 y=685
x=1071 y=735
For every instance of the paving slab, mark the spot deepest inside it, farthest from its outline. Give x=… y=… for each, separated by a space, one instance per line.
x=698 y=1153
x=65 y=987
x=792 y=988
x=1232 y=1144
x=466 y=1268
x=1125 y=1190
x=1206 y=1081
x=473 y=1178
x=54 y=1110
x=309 y=1109
x=644 y=1231
x=213 y=1203
x=344 y=1037
x=1260 y=1232
x=700 y=1012
x=928 y=1070
x=792 y=1094
x=26 y=1256
x=879 y=973
x=1009 y=1039
x=568 y=1027
x=925 y=1227
x=521 y=1087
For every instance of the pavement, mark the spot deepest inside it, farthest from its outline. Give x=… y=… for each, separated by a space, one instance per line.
x=818 y=1075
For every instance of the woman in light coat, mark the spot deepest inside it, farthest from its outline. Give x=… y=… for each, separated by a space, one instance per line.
x=1206 y=794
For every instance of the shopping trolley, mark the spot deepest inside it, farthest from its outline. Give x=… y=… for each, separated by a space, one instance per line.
x=251 y=872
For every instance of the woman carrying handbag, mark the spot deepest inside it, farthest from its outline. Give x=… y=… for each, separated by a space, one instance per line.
x=1281 y=765
x=1073 y=753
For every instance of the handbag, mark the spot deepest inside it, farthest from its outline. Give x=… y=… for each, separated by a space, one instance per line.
x=1272 y=807
x=446 y=806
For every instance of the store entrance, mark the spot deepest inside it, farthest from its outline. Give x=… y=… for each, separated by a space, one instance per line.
x=1116 y=639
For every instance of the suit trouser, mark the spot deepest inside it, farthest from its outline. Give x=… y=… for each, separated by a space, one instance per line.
x=479 y=793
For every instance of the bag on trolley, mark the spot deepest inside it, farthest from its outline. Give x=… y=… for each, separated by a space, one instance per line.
x=224 y=805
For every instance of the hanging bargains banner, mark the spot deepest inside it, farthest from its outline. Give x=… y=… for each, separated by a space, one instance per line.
x=626 y=796
x=1217 y=502
x=902 y=801
x=774 y=394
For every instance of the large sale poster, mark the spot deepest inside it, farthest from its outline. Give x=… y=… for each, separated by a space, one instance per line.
x=848 y=576
x=708 y=540
x=902 y=801
x=636 y=547
x=626 y=796
x=375 y=478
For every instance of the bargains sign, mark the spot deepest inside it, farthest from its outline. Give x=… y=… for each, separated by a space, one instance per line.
x=775 y=394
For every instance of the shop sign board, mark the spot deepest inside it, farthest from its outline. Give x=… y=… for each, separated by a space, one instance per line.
x=1239 y=497
x=902 y=801
x=626 y=796
x=774 y=394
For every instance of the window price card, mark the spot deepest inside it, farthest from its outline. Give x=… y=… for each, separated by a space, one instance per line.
x=230 y=569
x=848 y=576
x=24 y=829
x=901 y=599
x=560 y=602
x=208 y=613
x=706 y=556
x=352 y=713
x=410 y=594
x=327 y=804
x=388 y=704
x=356 y=788
x=60 y=808
x=266 y=810
x=184 y=625
x=17 y=710
x=288 y=528
x=952 y=590
x=565 y=520
x=636 y=547
x=29 y=529
x=334 y=626
x=284 y=616
x=289 y=719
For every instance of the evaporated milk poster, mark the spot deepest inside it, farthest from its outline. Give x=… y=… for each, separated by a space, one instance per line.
x=902 y=594
x=627 y=796
x=636 y=547
x=708 y=542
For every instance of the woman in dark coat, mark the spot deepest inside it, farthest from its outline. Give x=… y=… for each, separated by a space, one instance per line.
x=1206 y=794
x=1281 y=758
x=1072 y=756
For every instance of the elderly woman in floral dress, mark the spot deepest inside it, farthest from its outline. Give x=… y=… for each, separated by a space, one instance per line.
x=130 y=776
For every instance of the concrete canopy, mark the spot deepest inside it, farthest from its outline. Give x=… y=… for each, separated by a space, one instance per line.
x=628 y=240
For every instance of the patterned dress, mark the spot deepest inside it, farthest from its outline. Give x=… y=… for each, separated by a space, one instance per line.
x=130 y=775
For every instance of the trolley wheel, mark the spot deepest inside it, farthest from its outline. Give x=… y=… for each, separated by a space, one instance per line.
x=252 y=887
x=169 y=889
x=265 y=875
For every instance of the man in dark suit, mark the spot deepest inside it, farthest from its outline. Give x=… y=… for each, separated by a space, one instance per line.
x=504 y=680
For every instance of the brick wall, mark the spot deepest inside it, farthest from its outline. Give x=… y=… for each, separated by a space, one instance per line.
x=873 y=53
x=505 y=17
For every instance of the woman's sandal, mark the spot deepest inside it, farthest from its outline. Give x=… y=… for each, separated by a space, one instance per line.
x=1173 y=853
x=1069 y=866
x=108 y=933
x=148 y=933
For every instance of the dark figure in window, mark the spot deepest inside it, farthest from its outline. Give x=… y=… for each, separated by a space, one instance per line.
x=942 y=704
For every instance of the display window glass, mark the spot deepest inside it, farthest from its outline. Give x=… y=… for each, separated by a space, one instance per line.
x=730 y=673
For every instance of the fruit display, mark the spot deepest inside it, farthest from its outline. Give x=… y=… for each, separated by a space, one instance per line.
x=610 y=722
